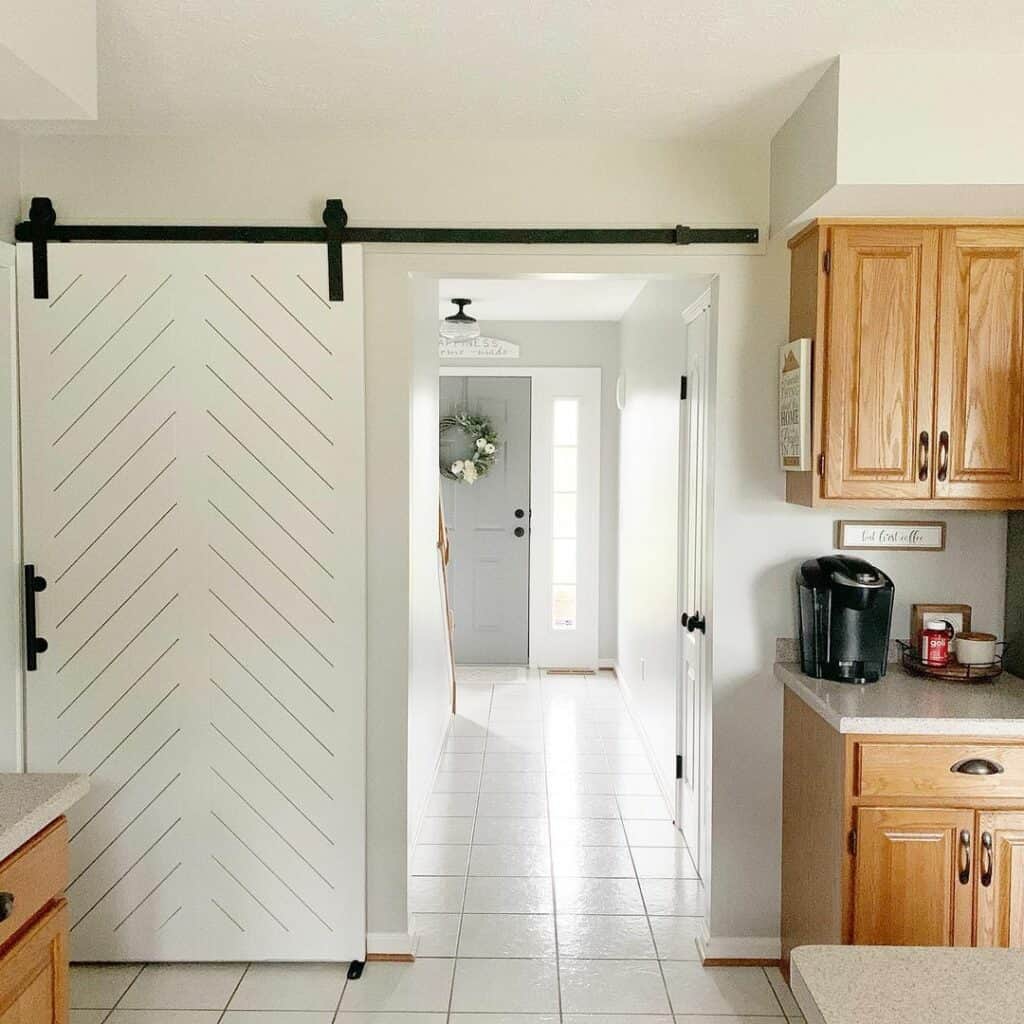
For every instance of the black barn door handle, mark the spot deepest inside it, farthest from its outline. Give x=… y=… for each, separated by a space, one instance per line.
x=33 y=644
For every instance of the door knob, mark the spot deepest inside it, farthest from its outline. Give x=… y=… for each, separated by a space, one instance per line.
x=696 y=621
x=519 y=531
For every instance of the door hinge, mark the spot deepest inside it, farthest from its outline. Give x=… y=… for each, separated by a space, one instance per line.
x=851 y=842
x=821 y=464
x=682 y=389
x=826 y=261
x=679 y=766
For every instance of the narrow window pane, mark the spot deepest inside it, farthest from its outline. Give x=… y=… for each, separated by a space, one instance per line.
x=565 y=469
x=566 y=414
x=563 y=561
x=563 y=606
x=564 y=513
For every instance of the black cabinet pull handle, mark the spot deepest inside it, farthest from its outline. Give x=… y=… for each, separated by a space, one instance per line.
x=6 y=905
x=922 y=470
x=986 y=864
x=977 y=766
x=33 y=644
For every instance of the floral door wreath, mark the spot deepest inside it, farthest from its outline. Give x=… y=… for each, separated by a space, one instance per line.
x=484 y=438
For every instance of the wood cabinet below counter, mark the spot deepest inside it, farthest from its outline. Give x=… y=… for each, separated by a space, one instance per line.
x=33 y=930
x=918 y=363
x=900 y=840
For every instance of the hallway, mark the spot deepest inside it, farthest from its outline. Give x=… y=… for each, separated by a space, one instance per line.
x=548 y=884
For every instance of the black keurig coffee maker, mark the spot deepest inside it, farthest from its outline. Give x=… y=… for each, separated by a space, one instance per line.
x=845 y=614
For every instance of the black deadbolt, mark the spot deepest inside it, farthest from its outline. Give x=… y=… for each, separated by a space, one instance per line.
x=520 y=513
x=519 y=531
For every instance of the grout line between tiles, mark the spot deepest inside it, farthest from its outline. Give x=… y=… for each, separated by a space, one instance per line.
x=234 y=992
x=551 y=851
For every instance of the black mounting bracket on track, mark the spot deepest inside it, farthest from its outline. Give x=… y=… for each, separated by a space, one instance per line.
x=42 y=227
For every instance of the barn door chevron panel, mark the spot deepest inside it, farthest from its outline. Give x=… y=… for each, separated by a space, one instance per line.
x=194 y=492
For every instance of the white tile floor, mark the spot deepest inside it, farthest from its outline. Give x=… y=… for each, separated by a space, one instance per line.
x=549 y=885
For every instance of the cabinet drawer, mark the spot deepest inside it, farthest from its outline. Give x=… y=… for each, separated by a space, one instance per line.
x=34 y=875
x=927 y=769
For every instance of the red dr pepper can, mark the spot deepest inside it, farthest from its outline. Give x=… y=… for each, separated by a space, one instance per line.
x=935 y=639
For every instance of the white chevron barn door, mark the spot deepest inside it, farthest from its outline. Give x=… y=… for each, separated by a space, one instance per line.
x=194 y=494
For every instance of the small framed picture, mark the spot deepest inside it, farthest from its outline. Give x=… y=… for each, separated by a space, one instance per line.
x=795 y=405
x=957 y=615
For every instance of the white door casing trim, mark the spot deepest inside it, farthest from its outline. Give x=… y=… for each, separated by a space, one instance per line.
x=12 y=710
x=551 y=648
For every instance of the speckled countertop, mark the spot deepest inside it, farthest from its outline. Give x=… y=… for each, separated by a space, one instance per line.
x=906 y=985
x=28 y=803
x=909 y=705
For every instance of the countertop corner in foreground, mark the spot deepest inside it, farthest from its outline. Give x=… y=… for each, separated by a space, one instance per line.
x=908 y=705
x=29 y=802
x=906 y=984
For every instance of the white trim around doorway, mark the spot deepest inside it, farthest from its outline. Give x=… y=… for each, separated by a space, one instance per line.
x=562 y=645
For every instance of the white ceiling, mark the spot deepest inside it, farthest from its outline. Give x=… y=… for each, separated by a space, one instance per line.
x=647 y=68
x=593 y=298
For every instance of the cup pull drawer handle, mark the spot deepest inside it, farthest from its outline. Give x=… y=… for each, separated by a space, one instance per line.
x=977 y=766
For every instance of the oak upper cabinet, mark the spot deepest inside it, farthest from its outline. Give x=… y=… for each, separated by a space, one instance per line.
x=918 y=376
x=913 y=877
x=879 y=362
x=999 y=880
x=980 y=397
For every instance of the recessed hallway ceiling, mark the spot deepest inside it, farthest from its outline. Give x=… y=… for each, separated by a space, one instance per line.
x=648 y=68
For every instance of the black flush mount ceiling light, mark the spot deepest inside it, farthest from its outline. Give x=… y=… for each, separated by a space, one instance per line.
x=460 y=326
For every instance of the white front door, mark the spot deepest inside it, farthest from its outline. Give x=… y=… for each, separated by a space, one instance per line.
x=695 y=576
x=194 y=494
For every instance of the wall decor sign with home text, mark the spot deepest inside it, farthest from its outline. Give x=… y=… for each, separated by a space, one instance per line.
x=895 y=536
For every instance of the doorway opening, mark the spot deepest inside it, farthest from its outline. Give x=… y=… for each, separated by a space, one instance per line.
x=585 y=546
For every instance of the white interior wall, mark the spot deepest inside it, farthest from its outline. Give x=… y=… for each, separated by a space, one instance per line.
x=653 y=356
x=429 y=681
x=759 y=538
x=578 y=343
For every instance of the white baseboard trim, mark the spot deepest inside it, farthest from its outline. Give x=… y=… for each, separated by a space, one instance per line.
x=738 y=948
x=391 y=943
x=607 y=663
x=667 y=790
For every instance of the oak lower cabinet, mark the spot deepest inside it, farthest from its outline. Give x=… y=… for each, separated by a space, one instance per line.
x=918 y=363
x=899 y=840
x=34 y=930
x=912 y=877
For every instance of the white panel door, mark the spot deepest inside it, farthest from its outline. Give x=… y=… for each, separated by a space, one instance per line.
x=695 y=574
x=194 y=493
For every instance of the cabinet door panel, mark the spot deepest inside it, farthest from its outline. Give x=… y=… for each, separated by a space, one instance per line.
x=980 y=401
x=34 y=973
x=908 y=887
x=880 y=362
x=1000 y=879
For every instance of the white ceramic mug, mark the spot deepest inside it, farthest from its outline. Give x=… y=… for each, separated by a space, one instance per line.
x=975 y=648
